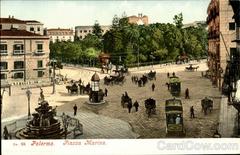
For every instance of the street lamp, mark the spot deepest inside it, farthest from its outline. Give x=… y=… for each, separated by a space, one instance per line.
x=28 y=93
x=1 y=98
x=54 y=82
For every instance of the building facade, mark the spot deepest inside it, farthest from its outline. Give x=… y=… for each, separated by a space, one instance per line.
x=221 y=31
x=139 y=20
x=60 y=34
x=32 y=26
x=24 y=54
x=82 y=31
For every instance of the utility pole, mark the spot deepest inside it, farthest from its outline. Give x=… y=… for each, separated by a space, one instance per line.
x=28 y=93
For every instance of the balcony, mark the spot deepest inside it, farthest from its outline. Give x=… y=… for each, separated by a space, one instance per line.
x=3 y=69
x=3 y=52
x=39 y=52
x=18 y=52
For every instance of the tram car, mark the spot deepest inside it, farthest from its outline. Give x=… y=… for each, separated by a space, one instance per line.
x=174 y=118
x=175 y=86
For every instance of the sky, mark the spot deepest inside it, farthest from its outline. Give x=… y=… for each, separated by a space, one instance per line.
x=71 y=13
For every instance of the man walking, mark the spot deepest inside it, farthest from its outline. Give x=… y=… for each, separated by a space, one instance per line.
x=75 y=110
x=136 y=105
x=153 y=87
x=106 y=92
x=129 y=106
x=187 y=94
x=192 y=112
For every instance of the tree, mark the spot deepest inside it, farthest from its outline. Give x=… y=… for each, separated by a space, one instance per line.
x=97 y=31
x=178 y=20
x=115 y=22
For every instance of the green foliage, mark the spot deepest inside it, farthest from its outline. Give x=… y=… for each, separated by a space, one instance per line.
x=178 y=20
x=97 y=31
x=129 y=42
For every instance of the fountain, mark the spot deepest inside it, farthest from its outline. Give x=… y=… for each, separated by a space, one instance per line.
x=43 y=125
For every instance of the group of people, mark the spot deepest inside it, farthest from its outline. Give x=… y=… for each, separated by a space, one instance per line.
x=140 y=81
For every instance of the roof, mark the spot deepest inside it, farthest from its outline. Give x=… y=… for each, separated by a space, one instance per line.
x=95 y=77
x=32 y=21
x=15 y=32
x=173 y=102
x=174 y=80
x=12 y=20
x=58 y=29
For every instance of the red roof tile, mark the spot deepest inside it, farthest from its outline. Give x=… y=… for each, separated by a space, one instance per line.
x=11 y=20
x=15 y=32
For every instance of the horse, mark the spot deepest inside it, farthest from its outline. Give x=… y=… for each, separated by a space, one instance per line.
x=150 y=105
x=206 y=104
x=125 y=100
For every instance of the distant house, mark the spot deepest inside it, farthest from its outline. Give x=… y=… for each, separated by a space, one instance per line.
x=139 y=20
x=82 y=31
x=59 y=34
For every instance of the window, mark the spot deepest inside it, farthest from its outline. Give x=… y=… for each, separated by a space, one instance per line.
x=0 y=26
x=85 y=31
x=38 y=28
x=39 y=47
x=18 y=75
x=3 y=48
x=80 y=37
x=80 y=31
x=18 y=65
x=89 y=31
x=18 y=49
x=39 y=63
x=3 y=65
x=31 y=28
x=3 y=76
x=40 y=73
x=232 y=26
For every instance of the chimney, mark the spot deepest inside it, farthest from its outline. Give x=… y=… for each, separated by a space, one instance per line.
x=12 y=16
x=9 y=16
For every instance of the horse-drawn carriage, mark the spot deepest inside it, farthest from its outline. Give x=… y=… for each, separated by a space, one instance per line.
x=150 y=105
x=191 y=68
x=72 y=88
x=151 y=75
x=174 y=117
x=207 y=104
x=175 y=85
x=112 y=79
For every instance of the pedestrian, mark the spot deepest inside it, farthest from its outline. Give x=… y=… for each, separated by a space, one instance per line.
x=136 y=105
x=129 y=106
x=178 y=119
x=192 y=112
x=75 y=110
x=80 y=81
x=168 y=85
x=5 y=133
x=168 y=74
x=173 y=74
x=106 y=92
x=153 y=87
x=187 y=94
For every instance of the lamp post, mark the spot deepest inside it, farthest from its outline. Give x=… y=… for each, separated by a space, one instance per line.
x=1 y=99
x=28 y=93
x=54 y=82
